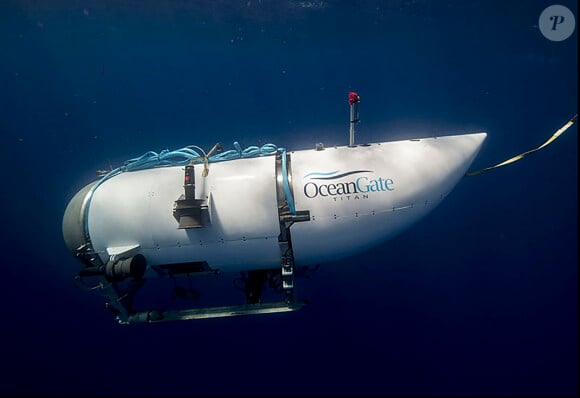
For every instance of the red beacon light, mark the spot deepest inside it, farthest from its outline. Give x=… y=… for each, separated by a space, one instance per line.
x=353 y=101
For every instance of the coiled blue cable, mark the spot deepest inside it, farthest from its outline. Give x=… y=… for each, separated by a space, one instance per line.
x=183 y=156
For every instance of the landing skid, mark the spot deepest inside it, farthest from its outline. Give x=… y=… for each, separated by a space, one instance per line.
x=121 y=297
x=212 y=312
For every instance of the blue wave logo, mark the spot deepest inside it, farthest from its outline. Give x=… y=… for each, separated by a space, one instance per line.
x=331 y=176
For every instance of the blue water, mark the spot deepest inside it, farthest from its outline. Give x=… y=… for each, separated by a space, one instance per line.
x=479 y=297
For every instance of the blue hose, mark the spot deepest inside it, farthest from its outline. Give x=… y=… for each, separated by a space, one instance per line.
x=183 y=156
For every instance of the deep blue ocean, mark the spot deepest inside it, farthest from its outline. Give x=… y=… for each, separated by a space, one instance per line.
x=480 y=297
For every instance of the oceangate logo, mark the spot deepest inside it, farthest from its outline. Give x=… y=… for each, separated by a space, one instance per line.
x=355 y=187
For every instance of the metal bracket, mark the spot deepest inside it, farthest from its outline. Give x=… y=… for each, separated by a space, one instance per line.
x=286 y=219
x=187 y=210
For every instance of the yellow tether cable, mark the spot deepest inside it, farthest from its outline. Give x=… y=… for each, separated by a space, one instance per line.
x=521 y=155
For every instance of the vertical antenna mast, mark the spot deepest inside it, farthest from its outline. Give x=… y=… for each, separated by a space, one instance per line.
x=353 y=101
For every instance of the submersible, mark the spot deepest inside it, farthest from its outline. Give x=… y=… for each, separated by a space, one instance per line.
x=264 y=213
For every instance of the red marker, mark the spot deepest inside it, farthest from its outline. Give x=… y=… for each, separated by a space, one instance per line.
x=353 y=98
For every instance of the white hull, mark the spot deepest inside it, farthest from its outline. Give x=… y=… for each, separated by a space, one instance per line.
x=385 y=188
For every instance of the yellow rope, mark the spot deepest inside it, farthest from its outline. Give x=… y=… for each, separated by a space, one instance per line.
x=521 y=155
